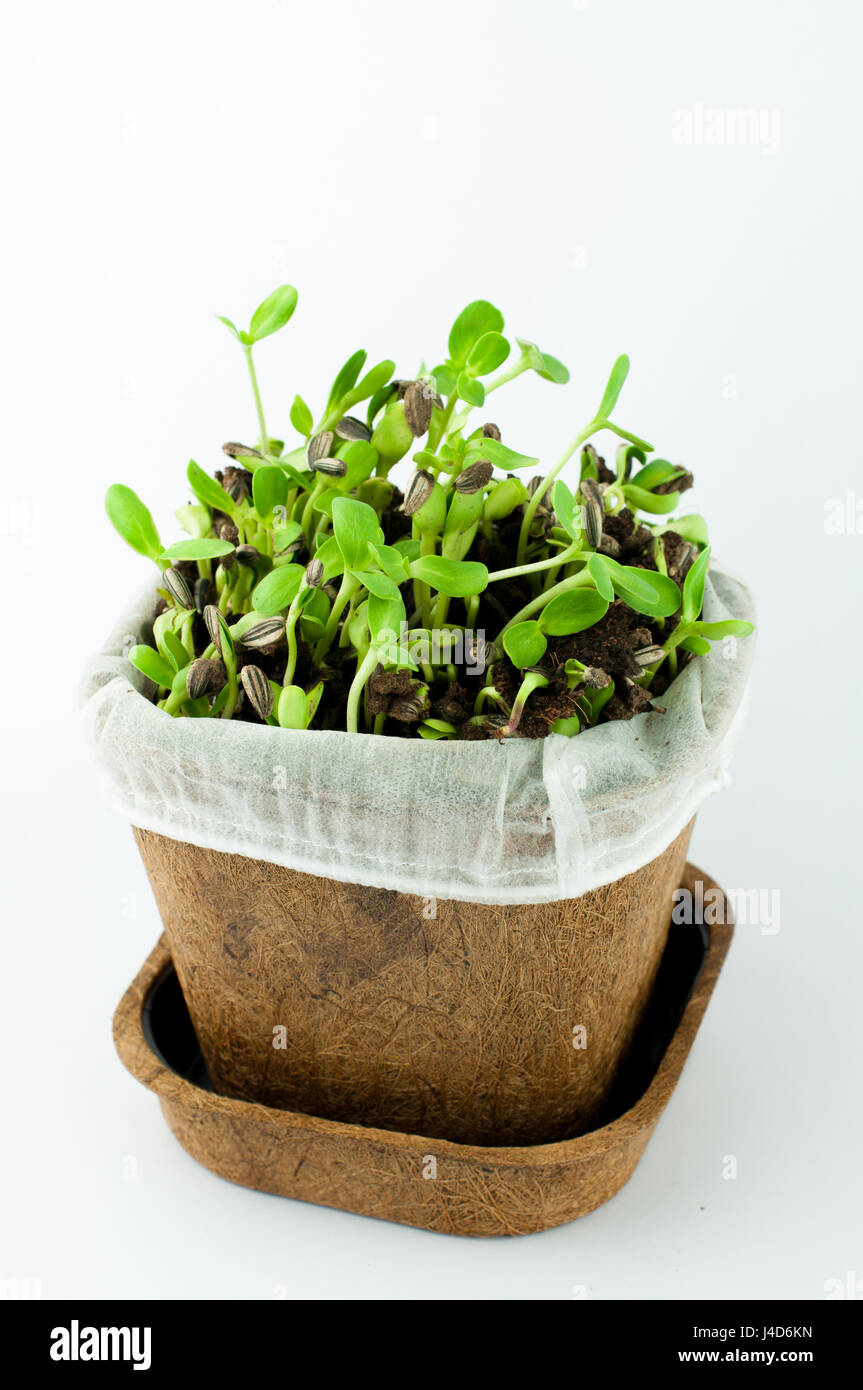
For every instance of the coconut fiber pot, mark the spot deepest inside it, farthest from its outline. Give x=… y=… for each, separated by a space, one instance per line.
x=477 y=1024
x=459 y=1189
x=455 y=939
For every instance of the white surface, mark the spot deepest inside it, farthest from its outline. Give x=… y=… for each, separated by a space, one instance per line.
x=167 y=162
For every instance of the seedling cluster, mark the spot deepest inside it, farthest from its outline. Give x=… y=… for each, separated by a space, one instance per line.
x=310 y=592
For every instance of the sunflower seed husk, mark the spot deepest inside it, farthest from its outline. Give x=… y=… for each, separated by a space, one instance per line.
x=258 y=690
x=178 y=588
x=314 y=573
x=206 y=674
x=241 y=451
x=648 y=656
x=227 y=531
x=329 y=468
x=681 y=484
x=248 y=554
x=592 y=518
x=686 y=559
x=480 y=653
x=227 y=562
x=609 y=546
x=474 y=477
x=408 y=711
x=204 y=591
x=236 y=481
x=595 y=678
x=419 y=403
x=349 y=427
x=591 y=491
x=320 y=446
x=263 y=634
x=294 y=548
x=491 y=431
x=419 y=490
x=213 y=622
x=534 y=484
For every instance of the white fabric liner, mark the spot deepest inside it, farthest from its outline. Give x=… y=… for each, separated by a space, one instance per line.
x=524 y=821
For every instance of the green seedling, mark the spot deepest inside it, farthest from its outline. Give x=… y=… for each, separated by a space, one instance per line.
x=304 y=571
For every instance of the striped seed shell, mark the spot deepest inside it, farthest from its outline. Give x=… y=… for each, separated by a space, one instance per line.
x=419 y=403
x=592 y=518
x=258 y=690
x=474 y=477
x=241 y=451
x=213 y=623
x=329 y=467
x=686 y=559
x=178 y=588
x=319 y=446
x=204 y=674
x=349 y=427
x=648 y=656
x=419 y=490
x=264 y=633
x=314 y=573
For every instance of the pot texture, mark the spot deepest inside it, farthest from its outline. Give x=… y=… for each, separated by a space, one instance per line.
x=476 y=1191
x=482 y=1025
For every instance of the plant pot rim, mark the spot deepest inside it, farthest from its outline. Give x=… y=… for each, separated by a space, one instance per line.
x=526 y=821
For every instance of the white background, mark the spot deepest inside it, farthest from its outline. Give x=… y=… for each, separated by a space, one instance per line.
x=164 y=162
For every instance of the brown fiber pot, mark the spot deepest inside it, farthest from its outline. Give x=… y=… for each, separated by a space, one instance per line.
x=481 y=1025
x=459 y=1189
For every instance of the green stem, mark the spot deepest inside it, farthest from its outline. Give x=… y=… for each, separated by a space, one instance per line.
x=488 y=692
x=345 y=637
x=306 y=519
x=187 y=637
x=422 y=591
x=533 y=504
x=364 y=670
x=347 y=589
x=496 y=382
x=440 y=611
x=291 y=634
x=553 y=562
x=444 y=422
x=575 y=581
x=532 y=681
x=265 y=438
x=670 y=645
